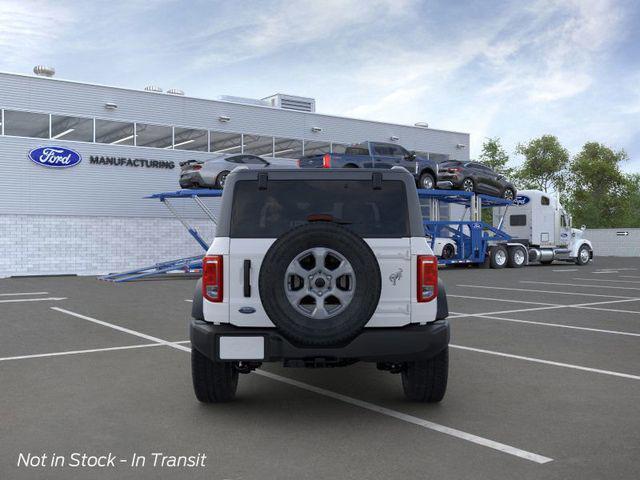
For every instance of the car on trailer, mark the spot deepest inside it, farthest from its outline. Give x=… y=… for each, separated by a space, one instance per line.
x=315 y=273
x=474 y=177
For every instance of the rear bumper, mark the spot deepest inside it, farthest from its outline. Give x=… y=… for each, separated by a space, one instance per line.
x=412 y=342
x=188 y=180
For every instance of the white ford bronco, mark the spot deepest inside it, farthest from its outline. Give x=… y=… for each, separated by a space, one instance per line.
x=319 y=268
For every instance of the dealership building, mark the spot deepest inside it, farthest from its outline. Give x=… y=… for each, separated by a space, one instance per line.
x=91 y=217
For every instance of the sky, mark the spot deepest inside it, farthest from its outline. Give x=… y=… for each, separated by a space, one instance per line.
x=509 y=69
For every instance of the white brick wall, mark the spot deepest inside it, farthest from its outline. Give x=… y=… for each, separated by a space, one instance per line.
x=49 y=245
x=609 y=242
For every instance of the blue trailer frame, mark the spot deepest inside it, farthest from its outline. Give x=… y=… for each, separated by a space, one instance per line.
x=187 y=264
x=473 y=237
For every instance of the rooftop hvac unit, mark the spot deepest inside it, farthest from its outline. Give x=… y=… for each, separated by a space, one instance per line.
x=291 y=102
x=175 y=91
x=153 y=88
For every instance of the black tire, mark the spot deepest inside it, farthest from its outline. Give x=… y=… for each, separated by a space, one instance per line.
x=508 y=194
x=427 y=181
x=343 y=326
x=448 y=251
x=426 y=380
x=498 y=256
x=580 y=260
x=213 y=382
x=515 y=260
x=351 y=165
x=221 y=179
x=468 y=185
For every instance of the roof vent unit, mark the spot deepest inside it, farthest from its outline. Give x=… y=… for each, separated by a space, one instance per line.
x=291 y=102
x=43 y=71
x=244 y=100
x=153 y=88
x=175 y=91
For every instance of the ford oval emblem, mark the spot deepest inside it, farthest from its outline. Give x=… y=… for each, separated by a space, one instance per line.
x=521 y=200
x=247 y=310
x=55 y=157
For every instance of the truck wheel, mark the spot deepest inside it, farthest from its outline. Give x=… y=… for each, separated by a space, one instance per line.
x=426 y=380
x=319 y=284
x=426 y=181
x=517 y=257
x=508 y=194
x=221 y=179
x=213 y=382
x=499 y=256
x=584 y=255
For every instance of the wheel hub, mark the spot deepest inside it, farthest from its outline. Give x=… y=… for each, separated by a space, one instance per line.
x=319 y=283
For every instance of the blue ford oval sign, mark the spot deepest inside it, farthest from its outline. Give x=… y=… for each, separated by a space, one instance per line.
x=521 y=200
x=55 y=157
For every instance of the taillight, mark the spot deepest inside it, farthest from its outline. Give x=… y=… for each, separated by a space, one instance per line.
x=298 y=162
x=212 y=282
x=427 y=278
x=455 y=170
x=326 y=160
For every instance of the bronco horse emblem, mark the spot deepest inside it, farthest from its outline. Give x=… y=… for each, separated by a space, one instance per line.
x=394 y=277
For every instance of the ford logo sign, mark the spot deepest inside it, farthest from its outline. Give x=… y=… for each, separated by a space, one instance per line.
x=521 y=200
x=55 y=157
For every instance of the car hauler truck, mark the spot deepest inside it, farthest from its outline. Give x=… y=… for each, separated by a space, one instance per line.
x=534 y=228
x=538 y=221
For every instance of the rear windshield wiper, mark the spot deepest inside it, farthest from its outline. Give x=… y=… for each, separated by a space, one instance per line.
x=325 y=217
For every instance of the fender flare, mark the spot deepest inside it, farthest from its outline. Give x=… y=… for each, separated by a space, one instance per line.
x=196 y=306
x=443 y=305
x=580 y=243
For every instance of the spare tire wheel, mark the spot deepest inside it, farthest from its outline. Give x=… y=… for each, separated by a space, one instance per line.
x=320 y=284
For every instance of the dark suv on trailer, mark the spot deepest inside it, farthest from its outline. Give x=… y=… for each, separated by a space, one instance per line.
x=474 y=177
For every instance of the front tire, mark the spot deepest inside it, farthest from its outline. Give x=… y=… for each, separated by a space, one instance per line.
x=213 y=382
x=426 y=380
x=427 y=181
x=584 y=255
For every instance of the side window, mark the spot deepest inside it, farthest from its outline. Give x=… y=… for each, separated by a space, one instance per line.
x=398 y=151
x=383 y=150
x=563 y=221
x=517 y=220
x=238 y=159
x=544 y=200
x=253 y=160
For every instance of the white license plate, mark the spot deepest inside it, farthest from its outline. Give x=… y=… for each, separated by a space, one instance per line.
x=241 y=348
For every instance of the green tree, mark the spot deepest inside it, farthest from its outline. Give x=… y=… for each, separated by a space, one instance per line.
x=600 y=194
x=494 y=156
x=545 y=164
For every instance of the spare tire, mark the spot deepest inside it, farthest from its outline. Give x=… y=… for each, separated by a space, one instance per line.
x=320 y=284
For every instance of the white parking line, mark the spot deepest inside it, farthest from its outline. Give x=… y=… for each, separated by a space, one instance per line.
x=48 y=299
x=544 y=291
x=605 y=280
x=629 y=276
x=188 y=300
x=504 y=300
x=411 y=419
x=566 y=270
x=27 y=293
x=353 y=401
x=92 y=350
x=546 y=324
x=122 y=329
x=548 y=362
x=581 y=285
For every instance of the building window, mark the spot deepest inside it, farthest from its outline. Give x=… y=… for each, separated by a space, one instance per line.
x=287 y=148
x=257 y=145
x=115 y=133
x=225 y=142
x=190 y=139
x=26 y=124
x=316 y=148
x=157 y=136
x=338 y=148
x=71 y=128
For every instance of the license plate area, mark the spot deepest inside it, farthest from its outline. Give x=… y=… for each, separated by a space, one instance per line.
x=237 y=347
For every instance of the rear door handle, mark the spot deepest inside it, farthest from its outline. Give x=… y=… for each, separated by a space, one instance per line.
x=247 y=278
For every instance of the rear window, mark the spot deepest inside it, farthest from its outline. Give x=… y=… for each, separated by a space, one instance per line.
x=286 y=204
